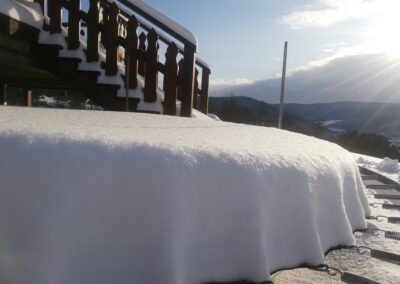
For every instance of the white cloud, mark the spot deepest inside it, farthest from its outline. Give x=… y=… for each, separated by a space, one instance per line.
x=340 y=52
x=323 y=13
x=224 y=86
x=344 y=76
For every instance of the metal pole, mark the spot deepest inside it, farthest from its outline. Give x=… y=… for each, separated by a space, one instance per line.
x=127 y=79
x=283 y=86
x=29 y=98
x=5 y=94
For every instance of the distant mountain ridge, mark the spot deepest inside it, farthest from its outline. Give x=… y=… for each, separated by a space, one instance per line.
x=369 y=117
x=378 y=118
x=251 y=111
x=359 y=126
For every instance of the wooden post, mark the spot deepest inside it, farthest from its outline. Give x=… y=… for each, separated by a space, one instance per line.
x=112 y=40
x=170 y=79
x=283 y=86
x=180 y=79
x=131 y=48
x=189 y=58
x=142 y=48
x=93 y=32
x=204 y=90
x=195 y=88
x=74 y=25
x=54 y=13
x=150 y=82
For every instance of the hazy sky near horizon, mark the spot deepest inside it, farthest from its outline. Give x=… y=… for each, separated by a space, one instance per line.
x=242 y=40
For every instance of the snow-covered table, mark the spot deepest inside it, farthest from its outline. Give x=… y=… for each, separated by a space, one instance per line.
x=102 y=197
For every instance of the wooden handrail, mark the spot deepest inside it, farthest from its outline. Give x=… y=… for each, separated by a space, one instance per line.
x=118 y=28
x=156 y=22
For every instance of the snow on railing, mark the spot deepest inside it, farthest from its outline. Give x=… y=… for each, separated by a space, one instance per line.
x=119 y=23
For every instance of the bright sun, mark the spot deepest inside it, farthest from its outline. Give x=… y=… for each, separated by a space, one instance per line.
x=385 y=36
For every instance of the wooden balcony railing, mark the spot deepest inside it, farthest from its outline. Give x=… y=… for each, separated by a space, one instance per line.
x=138 y=36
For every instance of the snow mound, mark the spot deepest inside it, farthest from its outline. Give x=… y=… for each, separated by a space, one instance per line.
x=372 y=163
x=389 y=165
x=102 y=197
x=213 y=116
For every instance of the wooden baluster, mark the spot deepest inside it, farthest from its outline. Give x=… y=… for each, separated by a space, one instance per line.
x=132 y=48
x=189 y=58
x=204 y=90
x=142 y=47
x=170 y=79
x=93 y=32
x=112 y=40
x=195 y=88
x=150 y=82
x=180 y=79
x=74 y=25
x=54 y=13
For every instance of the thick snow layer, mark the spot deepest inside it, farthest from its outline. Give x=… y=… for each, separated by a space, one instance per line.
x=171 y=24
x=22 y=10
x=102 y=197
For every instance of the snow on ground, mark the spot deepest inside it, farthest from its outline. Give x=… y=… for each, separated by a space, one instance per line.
x=102 y=197
x=22 y=10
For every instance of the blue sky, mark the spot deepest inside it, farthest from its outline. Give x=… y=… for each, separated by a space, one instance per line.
x=242 y=40
x=238 y=38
